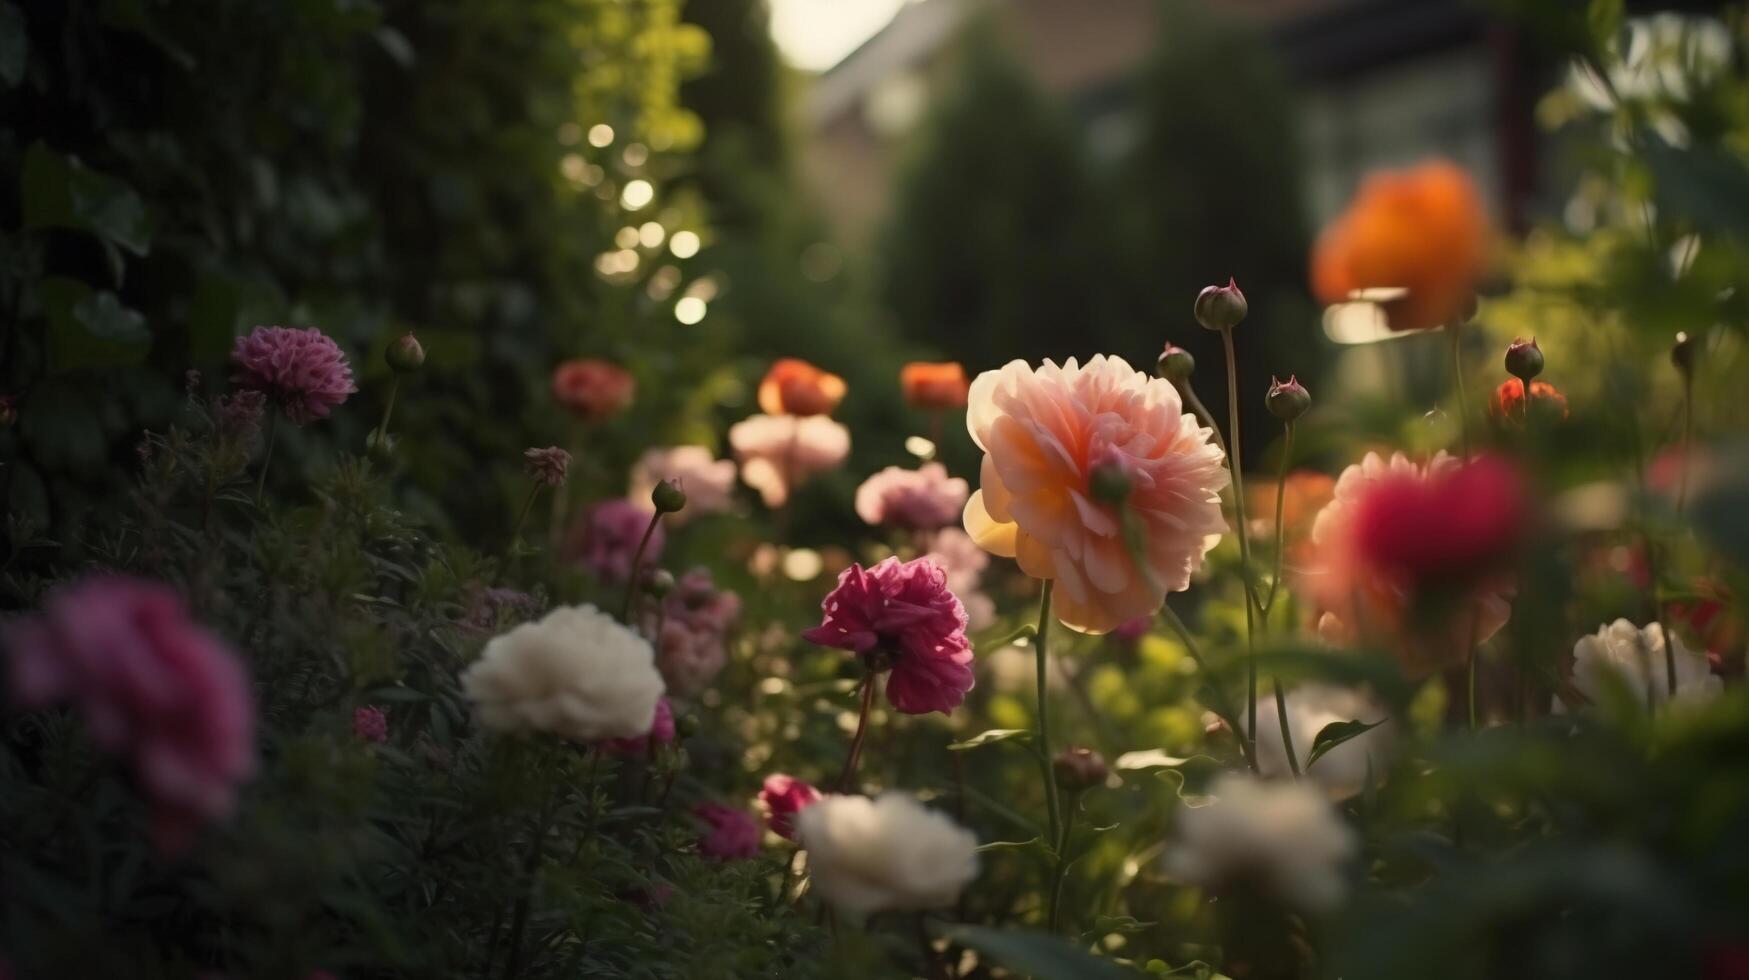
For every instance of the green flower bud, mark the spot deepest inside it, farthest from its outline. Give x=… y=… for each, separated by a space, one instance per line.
x=1524 y=359
x=1079 y=769
x=405 y=355
x=1175 y=363
x=659 y=582
x=1287 y=400
x=1221 y=307
x=1682 y=354
x=667 y=496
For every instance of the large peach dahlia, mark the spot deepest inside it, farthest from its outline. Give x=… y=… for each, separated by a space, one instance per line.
x=1042 y=430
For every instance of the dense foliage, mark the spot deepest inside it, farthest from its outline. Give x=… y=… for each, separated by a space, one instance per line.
x=298 y=686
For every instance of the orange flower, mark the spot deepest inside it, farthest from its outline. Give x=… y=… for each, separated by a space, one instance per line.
x=1423 y=230
x=594 y=390
x=795 y=387
x=934 y=386
x=1508 y=407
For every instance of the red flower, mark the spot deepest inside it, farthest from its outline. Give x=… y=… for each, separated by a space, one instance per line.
x=782 y=797
x=1508 y=406
x=1446 y=530
x=370 y=724
x=900 y=615
x=661 y=733
x=593 y=390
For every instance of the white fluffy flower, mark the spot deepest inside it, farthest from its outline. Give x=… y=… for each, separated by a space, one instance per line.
x=576 y=673
x=1342 y=771
x=1622 y=657
x=1284 y=837
x=884 y=854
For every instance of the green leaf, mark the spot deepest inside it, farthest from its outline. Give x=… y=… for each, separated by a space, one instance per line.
x=14 y=45
x=993 y=735
x=61 y=192
x=90 y=328
x=1158 y=759
x=1036 y=954
x=1335 y=734
x=1033 y=843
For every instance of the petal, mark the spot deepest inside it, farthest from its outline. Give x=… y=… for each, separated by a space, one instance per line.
x=996 y=537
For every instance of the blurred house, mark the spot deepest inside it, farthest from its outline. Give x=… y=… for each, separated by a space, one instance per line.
x=1381 y=82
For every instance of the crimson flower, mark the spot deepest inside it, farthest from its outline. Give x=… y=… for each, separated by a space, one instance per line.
x=901 y=616
x=1446 y=530
x=782 y=797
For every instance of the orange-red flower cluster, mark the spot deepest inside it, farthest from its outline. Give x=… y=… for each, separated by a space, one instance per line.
x=1423 y=230
x=795 y=387
x=934 y=386
x=1508 y=406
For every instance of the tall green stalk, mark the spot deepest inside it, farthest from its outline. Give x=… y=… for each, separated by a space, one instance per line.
x=1044 y=708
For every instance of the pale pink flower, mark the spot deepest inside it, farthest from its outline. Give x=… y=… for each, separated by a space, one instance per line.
x=922 y=499
x=661 y=733
x=782 y=797
x=153 y=686
x=900 y=615
x=606 y=541
x=781 y=452
x=370 y=724
x=1042 y=430
x=709 y=482
x=691 y=631
x=730 y=832
x=301 y=371
x=1356 y=602
x=956 y=552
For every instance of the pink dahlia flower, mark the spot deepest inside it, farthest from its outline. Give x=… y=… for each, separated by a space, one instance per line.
x=300 y=370
x=661 y=733
x=1361 y=597
x=781 y=452
x=546 y=467
x=153 y=686
x=901 y=614
x=730 y=832
x=782 y=797
x=709 y=482
x=691 y=631
x=370 y=724
x=1043 y=431
x=922 y=499
x=606 y=541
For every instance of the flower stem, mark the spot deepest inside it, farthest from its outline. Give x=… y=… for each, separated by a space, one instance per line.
x=625 y=607
x=519 y=917
x=1687 y=442
x=1044 y=707
x=1234 y=444
x=382 y=433
x=1287 y=735
x=848 y=776
x=1062 y=868
x=1220 y=706
x=522 y=517
x=272 y=437
x=1454 y=330
x=1287 y=453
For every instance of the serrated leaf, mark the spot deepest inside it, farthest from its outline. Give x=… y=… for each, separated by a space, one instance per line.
x=1036 y=954
x=1335 y=734
x=991 y=736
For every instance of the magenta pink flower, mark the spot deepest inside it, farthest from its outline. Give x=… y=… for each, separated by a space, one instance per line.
x=301 y=371
x=1131 y=630
x=730 y=832
x=153 y=686
x=901 y=615
x=782 y=797
x=922 y=499
x=370 y=724
x=606 y=541
x=661 y=733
